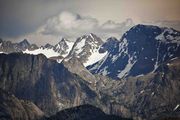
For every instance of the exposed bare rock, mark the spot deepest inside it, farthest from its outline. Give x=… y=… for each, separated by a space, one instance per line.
x=45 y=82
x=11 y=108
x=152 y=96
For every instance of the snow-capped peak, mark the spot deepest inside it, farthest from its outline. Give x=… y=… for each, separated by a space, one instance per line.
x=24 y=42
x=84 y=47
x=140 y=51
x=62 y=48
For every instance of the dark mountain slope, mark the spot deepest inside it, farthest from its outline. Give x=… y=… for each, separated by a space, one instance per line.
x=140 y=51
x=45 y=82
x=11 y=108
x=152 y=96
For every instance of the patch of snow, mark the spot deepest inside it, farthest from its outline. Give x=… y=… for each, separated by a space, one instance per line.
x=60 y=106
x=142 y=91
x=47 y=52
x=174 y=58
x=127 y=68
x=160 y=37
x=114 y=58
x=104 y=71
x=70 y=45
x=102 y=61
x=80 y=46
x=58 y=46
x=168 y=64
x=123 y=44
x=94 y=57
x=170 y=31
x=94 y=67
x=140 y=75
x=59 y=60
x=157 y=58
x=91 y=36
x=177 y=106
x=169 y=38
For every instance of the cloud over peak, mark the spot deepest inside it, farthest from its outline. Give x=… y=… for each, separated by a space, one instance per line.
x=73 y=25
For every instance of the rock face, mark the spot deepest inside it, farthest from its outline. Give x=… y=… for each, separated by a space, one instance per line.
x=11 y=108
x=140 y=51
x=152 y=96
x=76 y=67
x=84 y=112
x=45 y=82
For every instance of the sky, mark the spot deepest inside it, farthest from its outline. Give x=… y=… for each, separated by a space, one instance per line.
x=42 y=21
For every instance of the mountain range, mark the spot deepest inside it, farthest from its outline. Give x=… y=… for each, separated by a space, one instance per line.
x=140 y=51
x=136 y=76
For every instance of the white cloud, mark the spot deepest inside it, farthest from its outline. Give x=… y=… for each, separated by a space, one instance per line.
x=72 y=25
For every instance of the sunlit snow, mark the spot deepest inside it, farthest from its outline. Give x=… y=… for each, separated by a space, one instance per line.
x=80 y=46
x=47 y=52
x=177 y=106
x=95 y=57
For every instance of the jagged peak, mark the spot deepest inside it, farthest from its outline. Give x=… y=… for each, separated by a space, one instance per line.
x=63 y=40
x=48 y=45
x=143 y=28
x=89 y=37
x=25 y=41
x=92 y=35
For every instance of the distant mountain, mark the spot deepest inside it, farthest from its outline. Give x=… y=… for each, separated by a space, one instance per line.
x=86 y=49
x=84 y=112
x=60 y=50
x=9 y=47
x=63 y=47
x=24 y=44
x=140 y=51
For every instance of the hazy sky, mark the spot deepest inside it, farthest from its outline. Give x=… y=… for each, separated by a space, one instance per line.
x=48 y=20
